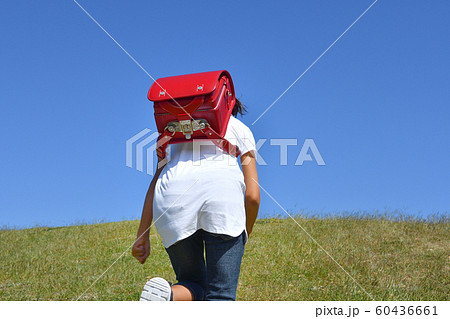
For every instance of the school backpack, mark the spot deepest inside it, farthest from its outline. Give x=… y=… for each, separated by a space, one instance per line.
x=193 y=106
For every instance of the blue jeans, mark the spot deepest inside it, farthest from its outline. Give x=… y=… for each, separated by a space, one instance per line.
x=217 y=279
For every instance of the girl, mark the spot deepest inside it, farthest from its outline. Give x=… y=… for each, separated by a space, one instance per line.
x=204 y=208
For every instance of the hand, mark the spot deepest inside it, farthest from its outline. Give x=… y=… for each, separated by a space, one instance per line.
x=141 y=249
x=249 y=231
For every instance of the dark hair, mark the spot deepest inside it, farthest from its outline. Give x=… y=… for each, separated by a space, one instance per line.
x=239 y=107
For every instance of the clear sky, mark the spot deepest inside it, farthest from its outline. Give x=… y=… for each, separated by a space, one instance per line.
x=376 y=105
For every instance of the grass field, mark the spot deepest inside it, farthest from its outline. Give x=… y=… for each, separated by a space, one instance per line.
x=390 y=260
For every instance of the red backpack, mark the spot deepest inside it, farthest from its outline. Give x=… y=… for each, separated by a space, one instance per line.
x=193 y=106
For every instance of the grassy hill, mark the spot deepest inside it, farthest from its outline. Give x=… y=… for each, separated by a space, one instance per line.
x=391 y=260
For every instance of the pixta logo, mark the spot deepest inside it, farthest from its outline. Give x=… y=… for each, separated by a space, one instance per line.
x=309 y=146
x=141 y=147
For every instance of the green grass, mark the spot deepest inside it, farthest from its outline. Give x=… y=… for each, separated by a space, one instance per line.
x=391 y=260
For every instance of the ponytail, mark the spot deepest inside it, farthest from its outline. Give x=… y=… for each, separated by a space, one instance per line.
x=239 y=108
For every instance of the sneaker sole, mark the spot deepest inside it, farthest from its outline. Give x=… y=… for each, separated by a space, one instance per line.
x=156 y=289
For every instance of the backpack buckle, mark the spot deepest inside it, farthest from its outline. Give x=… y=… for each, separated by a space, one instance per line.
x=187 y=127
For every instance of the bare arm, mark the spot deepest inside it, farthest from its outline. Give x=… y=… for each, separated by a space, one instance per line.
x=252 y=196
x=141 y=247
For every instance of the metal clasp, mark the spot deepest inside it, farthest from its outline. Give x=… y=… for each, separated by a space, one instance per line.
x=187 y=127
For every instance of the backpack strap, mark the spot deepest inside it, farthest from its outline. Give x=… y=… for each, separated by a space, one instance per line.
x=220 y=142
x=161 y=144
x=183 y=112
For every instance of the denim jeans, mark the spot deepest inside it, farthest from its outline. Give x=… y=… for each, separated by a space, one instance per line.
x=215 y=279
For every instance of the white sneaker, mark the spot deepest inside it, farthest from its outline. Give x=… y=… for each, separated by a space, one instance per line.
x=156 y=289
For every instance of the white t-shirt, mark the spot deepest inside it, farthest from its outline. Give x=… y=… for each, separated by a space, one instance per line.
x=202 y=187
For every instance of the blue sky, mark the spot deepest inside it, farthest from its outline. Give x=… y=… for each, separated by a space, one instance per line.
x=376 y=104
